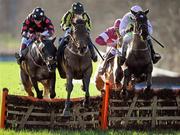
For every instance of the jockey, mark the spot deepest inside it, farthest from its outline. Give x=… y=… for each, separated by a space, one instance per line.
x=109 y=38
x=126 y=31
x=36 y=22
x=76 y=12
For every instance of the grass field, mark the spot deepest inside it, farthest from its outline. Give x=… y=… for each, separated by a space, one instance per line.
x=9 y=78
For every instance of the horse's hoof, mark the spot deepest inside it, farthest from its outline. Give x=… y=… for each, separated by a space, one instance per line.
x=86 y=103
x=53 y=95
x=40 y=94
x=66 y=112
x=124 y=94
x=148 y=93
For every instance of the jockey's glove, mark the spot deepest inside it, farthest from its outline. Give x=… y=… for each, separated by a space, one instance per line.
x=130 y=29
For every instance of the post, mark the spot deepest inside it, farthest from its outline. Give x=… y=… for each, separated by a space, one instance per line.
x=104 y=111
x=3 y=107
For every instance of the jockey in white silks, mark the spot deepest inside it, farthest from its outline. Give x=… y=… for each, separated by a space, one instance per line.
x=126 y=30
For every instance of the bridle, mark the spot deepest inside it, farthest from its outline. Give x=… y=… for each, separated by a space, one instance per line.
x=74 y=41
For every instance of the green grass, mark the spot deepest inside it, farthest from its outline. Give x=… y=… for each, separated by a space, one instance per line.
x=88 y=132
x=10 y=78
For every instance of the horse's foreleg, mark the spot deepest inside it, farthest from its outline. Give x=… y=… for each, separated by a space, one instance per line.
x=35 y=85
x=127 y=77
x=149 y=81
x=52 y=86
x=69 y=88
x=86 y=81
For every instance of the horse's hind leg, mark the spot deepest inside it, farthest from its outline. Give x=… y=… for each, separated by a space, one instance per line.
x=26 y=83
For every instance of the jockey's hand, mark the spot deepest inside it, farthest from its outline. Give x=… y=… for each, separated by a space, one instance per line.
x=119 y=42
x=130 y=29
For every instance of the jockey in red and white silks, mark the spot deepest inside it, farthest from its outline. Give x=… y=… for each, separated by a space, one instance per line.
x=110 y=37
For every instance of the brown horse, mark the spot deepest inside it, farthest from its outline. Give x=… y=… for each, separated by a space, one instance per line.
x=76 y=62
x=39 y=66
x=113 y=73
x=139 y=64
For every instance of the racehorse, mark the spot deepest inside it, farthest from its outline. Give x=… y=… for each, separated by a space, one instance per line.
x=138 y=63
x=39 y=66
x=75 y=63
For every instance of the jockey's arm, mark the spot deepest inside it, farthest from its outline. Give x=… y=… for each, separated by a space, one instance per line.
x=150 y=28
x=66 y=21
x=88 y=21
x=124 y=23
x=25 y=27
x=49 y=29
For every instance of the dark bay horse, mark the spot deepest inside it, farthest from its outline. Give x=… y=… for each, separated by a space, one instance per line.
x=139 y=64
x=76 y=62
x=39 y=66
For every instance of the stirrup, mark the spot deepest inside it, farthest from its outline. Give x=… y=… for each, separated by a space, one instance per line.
x=156 y=58
x=95 y=58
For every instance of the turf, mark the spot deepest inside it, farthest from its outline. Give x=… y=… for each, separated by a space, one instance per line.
x=10 y=78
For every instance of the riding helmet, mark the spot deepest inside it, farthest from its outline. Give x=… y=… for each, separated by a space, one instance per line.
x=38 y=13
x=77 y=8
x=136 y=8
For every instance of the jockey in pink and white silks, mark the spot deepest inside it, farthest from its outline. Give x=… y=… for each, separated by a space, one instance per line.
x=109 y=38
x=126 y=30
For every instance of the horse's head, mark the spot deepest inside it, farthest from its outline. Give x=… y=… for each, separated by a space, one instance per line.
x=79 y=37
x=48 y=53
x=141 y=25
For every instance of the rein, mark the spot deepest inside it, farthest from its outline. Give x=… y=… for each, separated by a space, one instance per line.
x=34 y=61
x=76 y=44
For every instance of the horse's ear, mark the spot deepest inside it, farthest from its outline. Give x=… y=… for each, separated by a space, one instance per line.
x=133 y=12
x=53 y=39
x=146 y=12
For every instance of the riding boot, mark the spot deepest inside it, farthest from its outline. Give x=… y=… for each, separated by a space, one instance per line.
x=91 y=48
x=22 y=53
x=124 y=50
x=154 y=56
x=62 y=44
x=105 y=64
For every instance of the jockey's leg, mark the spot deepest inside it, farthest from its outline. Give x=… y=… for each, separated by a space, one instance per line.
x=23 y=50
x=105 y=63
x=91 y=48
x=154 y=56
x=126 y=40
x=62 y=43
